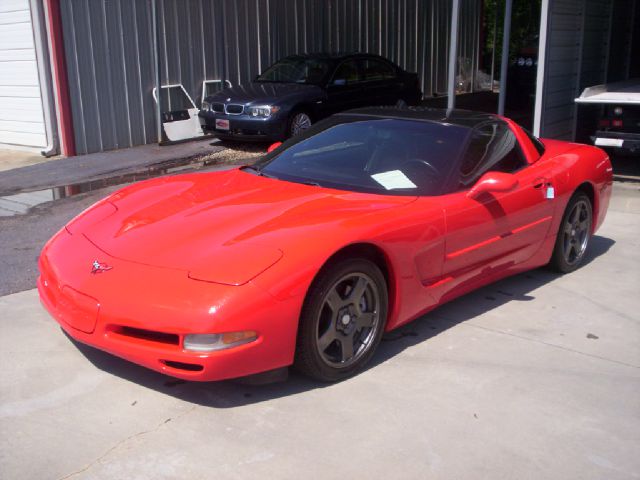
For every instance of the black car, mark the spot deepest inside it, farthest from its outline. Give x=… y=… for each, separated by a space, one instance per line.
x=300 y=89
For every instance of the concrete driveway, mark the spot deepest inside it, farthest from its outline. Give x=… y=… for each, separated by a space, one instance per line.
x=535 y=377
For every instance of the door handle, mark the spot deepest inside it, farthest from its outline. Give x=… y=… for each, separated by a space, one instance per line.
x=539 y=182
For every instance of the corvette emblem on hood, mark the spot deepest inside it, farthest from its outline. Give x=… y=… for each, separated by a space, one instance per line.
x=97 y=267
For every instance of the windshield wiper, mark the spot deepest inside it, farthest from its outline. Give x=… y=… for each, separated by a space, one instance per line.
x=257 y=171
x=309 y=182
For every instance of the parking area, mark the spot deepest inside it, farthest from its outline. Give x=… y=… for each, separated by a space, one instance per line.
x=537 y=376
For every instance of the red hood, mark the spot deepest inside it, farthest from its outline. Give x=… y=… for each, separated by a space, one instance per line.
x=230 y=225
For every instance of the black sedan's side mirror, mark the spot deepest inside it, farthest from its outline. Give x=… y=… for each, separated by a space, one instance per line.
x=339 y=81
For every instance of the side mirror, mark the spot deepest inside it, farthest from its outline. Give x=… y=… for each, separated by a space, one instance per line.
x=339 y=81
x=493 y=182
x=273 y=146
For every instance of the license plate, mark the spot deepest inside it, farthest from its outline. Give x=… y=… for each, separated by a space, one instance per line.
x=609 y=142
x=222 y=124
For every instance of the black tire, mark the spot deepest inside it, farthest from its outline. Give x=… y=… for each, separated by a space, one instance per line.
x=573 y=235
x=331 y=320
x=299 y=121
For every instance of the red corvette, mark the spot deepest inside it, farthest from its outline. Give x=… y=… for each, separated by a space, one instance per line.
x=363 y=223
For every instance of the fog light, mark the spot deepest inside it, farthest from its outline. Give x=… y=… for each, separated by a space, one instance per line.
x=210 y=342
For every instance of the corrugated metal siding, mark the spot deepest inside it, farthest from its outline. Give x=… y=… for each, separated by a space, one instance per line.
x=577 y=46
x=412 y=33
x=21 y=115
x=109 y=49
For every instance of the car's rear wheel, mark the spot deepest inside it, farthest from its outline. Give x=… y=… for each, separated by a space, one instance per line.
x=342 y=320
x=299 y=122
x=574 y=234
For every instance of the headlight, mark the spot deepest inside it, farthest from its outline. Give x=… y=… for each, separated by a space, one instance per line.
x=206 y=106
x=210 y=342
x=263 y=111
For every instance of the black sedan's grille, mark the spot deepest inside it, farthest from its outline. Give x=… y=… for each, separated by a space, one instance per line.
x=217 y=107
x=234 y=109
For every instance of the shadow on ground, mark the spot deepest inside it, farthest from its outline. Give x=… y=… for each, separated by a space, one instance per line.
x=237 y=393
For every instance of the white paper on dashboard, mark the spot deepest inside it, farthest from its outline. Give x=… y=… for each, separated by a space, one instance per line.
x=393 y=179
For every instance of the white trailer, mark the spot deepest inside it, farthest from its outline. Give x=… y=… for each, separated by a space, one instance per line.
x=619 y=124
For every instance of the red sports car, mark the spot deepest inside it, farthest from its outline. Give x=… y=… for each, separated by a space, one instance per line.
x=363 y=223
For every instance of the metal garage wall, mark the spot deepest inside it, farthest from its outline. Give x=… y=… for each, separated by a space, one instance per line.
x=412 y=33
x=21 y=114
x=577 y=49
x=108 y=45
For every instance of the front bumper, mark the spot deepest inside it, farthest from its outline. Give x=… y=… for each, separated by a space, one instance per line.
x=142 y=313
x=629 y=142
x=246 y=127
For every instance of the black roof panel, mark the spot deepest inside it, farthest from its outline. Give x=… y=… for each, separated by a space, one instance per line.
x=464 y=118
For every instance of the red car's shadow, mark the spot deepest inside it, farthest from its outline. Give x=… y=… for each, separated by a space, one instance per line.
x=234 y=393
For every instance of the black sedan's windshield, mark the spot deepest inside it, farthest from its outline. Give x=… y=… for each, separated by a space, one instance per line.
x=296 y=70
x=375 y=155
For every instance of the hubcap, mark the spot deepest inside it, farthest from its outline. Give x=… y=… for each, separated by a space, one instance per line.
x=348 y=320
x=576 y=232
x=300 y=123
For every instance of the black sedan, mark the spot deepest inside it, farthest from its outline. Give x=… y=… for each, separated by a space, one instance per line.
x=298 y=90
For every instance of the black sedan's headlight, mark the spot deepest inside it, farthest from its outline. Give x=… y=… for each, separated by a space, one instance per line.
x=205 y=106
x=263 y=111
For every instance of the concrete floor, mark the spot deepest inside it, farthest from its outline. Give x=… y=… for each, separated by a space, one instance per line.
x=10 y=159
x=535 y=377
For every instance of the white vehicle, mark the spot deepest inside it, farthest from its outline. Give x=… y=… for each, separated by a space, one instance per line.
x=619 y=125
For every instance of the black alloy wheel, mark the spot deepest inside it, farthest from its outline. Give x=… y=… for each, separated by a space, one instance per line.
x=342 y=320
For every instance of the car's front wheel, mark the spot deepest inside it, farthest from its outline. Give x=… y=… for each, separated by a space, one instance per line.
x=574 y=234
x=298 y=123
x=342 y=320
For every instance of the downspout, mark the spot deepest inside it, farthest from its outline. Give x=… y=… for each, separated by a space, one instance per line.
x=541 y=72
x=453 y=53
x=44 y=75
x=60 y=81
x=156 y=64
x=506 y=33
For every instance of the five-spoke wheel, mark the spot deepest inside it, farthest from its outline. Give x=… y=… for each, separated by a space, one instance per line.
x=342 y=320
x=574 y=234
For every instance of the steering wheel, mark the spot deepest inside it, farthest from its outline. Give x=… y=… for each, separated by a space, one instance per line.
x=420 y=171
x=422 y=164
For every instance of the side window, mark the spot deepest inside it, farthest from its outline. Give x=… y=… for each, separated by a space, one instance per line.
x=377 y=70
x=346 y=73
x=492 y=147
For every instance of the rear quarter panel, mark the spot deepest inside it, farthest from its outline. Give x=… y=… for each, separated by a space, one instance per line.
x=576 y=166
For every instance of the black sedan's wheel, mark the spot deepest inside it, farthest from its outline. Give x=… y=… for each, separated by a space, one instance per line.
x=299 y=122
x=574 y=234
x=342 y=320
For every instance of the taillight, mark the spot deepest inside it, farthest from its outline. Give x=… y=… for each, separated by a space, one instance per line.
x=616 y=123
x=604 y=123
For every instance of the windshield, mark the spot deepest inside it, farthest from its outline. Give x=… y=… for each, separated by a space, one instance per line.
x=385 y=156
x=295 y=70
